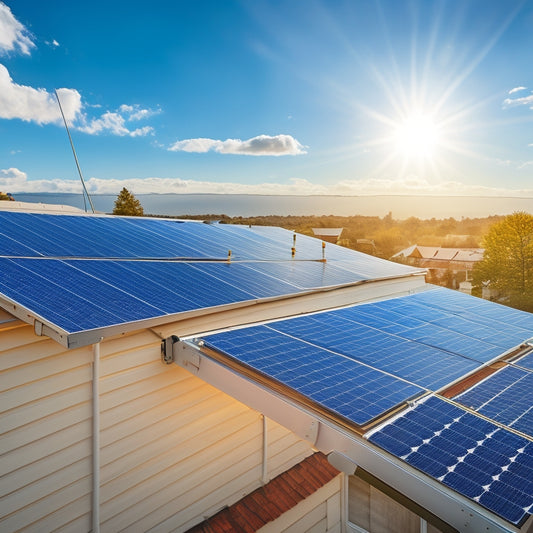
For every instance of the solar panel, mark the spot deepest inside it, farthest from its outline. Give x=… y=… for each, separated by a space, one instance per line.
x=465 y=319
x=354 y=391
x=339 y=331
x=306 y=275
x=478 y=310
x=85 y=294
x=506 y=396
x=472 y=456
x=526 y=361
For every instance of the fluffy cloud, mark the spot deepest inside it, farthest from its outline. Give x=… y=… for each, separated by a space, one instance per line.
x=40 y=106
x=113 y=123
x=260 y=145
x=35 y=105
x=13 y=34
x=516 y=89
x=16 y=181
x=12 y=178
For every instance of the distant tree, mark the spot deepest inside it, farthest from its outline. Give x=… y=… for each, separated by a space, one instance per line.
x=127 y=204
x=4 y=196
x=389 y=241
x=508 y=259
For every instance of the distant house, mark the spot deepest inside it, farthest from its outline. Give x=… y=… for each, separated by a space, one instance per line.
x=445 y=266
x=328 y=234
x=152 y=381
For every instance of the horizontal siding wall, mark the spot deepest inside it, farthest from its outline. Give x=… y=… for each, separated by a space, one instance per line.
x=173 y=449
x=45 y=424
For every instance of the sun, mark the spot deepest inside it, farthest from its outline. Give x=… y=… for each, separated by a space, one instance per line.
x=417 y=137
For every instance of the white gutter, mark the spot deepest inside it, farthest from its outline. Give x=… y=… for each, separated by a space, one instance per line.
x=264 y=471
x=95 y=513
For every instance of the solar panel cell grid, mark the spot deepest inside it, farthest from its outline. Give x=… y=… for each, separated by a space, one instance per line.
x=355 y=392
x=506 y=397
x=339 y=331
x=469 y=454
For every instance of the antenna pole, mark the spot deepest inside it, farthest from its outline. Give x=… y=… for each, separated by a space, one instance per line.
x=75 y=156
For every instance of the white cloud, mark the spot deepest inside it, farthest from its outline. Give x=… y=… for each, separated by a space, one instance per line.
x=40 y=106
x=35 y=105
x=516 y=89
x=12 y=178
x=113 y=123
x=512 y=102
x=135 y=112
x=16 y=181
x=13 y=34
x=260 y=145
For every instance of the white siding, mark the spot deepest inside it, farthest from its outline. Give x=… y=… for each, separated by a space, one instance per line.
x=173 y=449
x=45 y=421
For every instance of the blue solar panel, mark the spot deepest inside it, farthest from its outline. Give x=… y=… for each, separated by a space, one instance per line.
x=343 y=331
x=85 y=294
x=479 y=311
x=506 y=396
x=354 y=391
x=308 y=274
x=74 y=236
x=526 y=361
x=464 y=319
x=472 y=456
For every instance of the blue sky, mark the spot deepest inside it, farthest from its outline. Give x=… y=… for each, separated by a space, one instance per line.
x=268 y=96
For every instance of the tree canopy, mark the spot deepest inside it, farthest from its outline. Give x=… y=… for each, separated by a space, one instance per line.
x=127 y=204
x=508 y=259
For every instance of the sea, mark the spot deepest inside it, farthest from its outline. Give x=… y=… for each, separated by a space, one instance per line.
x=245 y=205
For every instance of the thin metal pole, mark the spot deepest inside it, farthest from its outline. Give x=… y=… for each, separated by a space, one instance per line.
x=75 y=156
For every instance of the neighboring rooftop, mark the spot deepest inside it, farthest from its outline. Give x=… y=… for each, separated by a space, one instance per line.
x=437 y=253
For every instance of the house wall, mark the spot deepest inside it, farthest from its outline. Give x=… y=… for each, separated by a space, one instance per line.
x=173 y=448
x=372 y=511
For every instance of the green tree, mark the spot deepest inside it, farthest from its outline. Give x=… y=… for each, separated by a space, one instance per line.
x=508 y=259
x=127 y=204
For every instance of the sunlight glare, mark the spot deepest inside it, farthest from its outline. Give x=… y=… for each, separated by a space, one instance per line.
x=417 y=137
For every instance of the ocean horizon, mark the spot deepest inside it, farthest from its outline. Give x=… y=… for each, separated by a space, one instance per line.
x=249 y=205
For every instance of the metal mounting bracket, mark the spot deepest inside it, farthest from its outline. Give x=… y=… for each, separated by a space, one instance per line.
x=175 y=351
x=167 y=349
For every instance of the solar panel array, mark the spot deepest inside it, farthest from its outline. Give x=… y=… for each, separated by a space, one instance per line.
x=46 y=235
x=391 y=343
x=467 y=453
x=361 y=362
x=83 y=272
x=506 y=396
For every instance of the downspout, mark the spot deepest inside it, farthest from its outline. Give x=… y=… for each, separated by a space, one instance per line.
x=264 y=472
x=95 y=516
